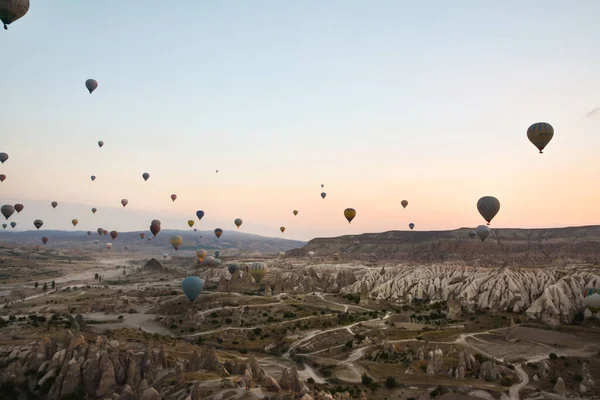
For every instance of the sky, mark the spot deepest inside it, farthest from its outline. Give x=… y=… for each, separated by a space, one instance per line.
x=379 y=100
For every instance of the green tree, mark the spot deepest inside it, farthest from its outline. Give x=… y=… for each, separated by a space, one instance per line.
x=36 y=285
x=53 y=285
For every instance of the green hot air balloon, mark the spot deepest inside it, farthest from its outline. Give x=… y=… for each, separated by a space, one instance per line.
x=192 y=287
x=258 y=270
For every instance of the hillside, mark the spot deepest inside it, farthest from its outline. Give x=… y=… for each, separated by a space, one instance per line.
x=230 y=240
x=526 y=247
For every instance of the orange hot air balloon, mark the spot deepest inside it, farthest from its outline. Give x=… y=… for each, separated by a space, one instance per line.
x=201 y=254
x=173 y=197
x=282 y=229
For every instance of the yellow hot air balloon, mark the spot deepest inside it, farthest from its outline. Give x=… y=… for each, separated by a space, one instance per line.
x=349 y=213
x=540 y=134
x=176 y=241
x=74 y=222
x=258 y=270
x=282 y=229
x=295 y=212
x=201 y=254
x=190 y=223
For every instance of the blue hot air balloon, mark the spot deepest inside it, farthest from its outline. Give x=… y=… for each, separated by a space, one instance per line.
x=411 y=226
x=217 y=253
x=233 y=268
x=192 y=286
x=199 y=214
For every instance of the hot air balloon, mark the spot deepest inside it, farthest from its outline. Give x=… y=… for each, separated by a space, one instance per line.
x=99 y=230
x=322 y=185
x=282 y=254
x=89 y=233
x=295 y=212
x=472 y=234
x=7 y=210
x=173 y=197
x=411 y=226
x=209 y=261
x=13 y=224
x=190 y=223
x=155 y=227
x=238 y=222
x=142 y=235
x=336 y=256
x=349 y=213
x=218 y=232
x=540 y=134
x=124 y=202
x=114 y=234
x=100 y=143
x=145 y=175
x=282 y=229
x=591 y=299
x=258 y=270
x=165 y=255
x=201 y=254
x=217 y=253
x=482 y=231
x=199 y=214
x=94 y=210
x=104 y=232
x=311 y=254
x=323 y=195
x=45 y=239
x=74 y=221
x=192 y=287
x=3 y=157
x=19 y=208
x=12 y=10
x=54 y=204
x=2 y=177
x=196 y=230
x=233 y=268
x=217 y=171
x=93 y=178
x=108 y=245
x=155 y=221
x=176 y=241
x=91 y=85
x=4 y=226
x=404 y=203
x=488 y=207
x=38 y=223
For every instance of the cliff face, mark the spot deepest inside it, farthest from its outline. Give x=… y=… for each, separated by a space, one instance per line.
x=504 y=247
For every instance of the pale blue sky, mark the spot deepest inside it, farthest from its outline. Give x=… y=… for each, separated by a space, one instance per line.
x=379 y=100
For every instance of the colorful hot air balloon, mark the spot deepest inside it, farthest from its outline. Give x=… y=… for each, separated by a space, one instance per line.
x=7 y=210
x=74 y=221
x=404 y=203
x=142 y=235
x=45 y=239
x=233 y=268
x=38 y=223
x=192 y=287
x=13 y=224
x=349 y=213
x=114 y=234
x=190 y=223
x=155 y=227
x=199 y=214
x=295 y=212
x=482 y=231
x=94 y=210
x=100 y=143
x=258 y=270
x=2 y=177
x=99 y=230
x=540 y=134
x=201 y=254
x=12 y=10
x=323 y=195
x=19 y=207
x=145 y=175
x=54 y=204
x=238 y=222
x=91 y=85
x=282 y=229
x=411 y=226
x=488 y=207
x=108 y=245
x=173 y=197
x=218 y=232
x=591 y=299
x=93 y=178
x=176 y=241
x=124 y=202
x=4 y=226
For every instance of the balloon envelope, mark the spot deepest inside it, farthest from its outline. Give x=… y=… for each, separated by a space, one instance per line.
x=109 y=245
x=488 y=207
x=38 y=223
x=155 y=228
x=173 y=197
x=74 y=222
x=295 y=212
x=100 y=143
x=145 y=175
x=311 y=254
x=124 y=202
x=3 y=157
x=238 y=222
x=44 y=240
x=482 y=231
x=282 y=229
x=13 y=224
x=4 y=226
x=93 y=178
x=2 y=177
x=217 y=253
x=323 y=195
x=540 y=134
x=233 y=268
x=472 y=234
x=94 y=210
x=200 y=254
x=411 y=226
x=19 y=208
x=591 y=299
x=199 y=214
x=114 y=234
x=7 y=210
x=176 y=241
x=54 y=204
x=349 y=213
x=99 y=230
x=258 y=270
x=91 y=85
x=192 y=287
x=191 y=223
x=404 y=203
x=218 y=232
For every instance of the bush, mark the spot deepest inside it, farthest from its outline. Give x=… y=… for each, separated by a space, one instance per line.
x=391 y=382
x=553 y=356
x=244 y=351
x=228 y=320
x=366 y=380
x=310 y=380
x=349 y=344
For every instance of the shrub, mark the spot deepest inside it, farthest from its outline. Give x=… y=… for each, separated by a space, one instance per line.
x=391 y=382
x=553 y=356
x=366 y=380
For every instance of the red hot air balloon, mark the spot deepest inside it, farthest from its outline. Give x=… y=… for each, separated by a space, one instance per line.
x=19 y=208
x=2 y=177
x=114 y=234
x=124 y=202
x=173 y=197
x=44 y=240
x=142 y=235
x=155 y=228
x=104 y=232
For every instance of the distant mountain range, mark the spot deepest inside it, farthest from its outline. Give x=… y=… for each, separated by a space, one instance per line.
x=504 y=247
x=192 y=241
